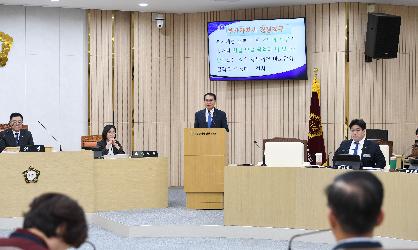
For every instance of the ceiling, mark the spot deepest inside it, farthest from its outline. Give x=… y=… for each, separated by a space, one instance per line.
x=183 y=6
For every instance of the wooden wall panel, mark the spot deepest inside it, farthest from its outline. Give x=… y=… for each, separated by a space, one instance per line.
x=123 y=79
x=170 y=76
x=101 y=74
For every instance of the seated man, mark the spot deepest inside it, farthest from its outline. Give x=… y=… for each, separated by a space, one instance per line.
x=355 y=209
x=369 y=152
x=54 y=221
x=414 y=151
x=15 y=136
x=210 y=117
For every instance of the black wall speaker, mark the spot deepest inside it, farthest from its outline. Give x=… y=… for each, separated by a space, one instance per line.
x=382 y=36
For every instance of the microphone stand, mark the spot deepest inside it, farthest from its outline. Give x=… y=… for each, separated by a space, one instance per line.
x=289 y=247
x=51 y=135
x=264 y=156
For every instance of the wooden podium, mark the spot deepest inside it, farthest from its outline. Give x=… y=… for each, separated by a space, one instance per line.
x=205 y=157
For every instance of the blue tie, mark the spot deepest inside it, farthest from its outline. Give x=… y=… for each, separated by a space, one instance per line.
x=209 y=120
x=17 y=139
x=356 y=148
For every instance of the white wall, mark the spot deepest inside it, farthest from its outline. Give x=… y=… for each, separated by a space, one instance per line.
x=45 y=78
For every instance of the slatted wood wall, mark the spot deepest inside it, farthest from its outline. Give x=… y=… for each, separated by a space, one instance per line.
x=110 y=77
x=385 y=92
x=170 y=76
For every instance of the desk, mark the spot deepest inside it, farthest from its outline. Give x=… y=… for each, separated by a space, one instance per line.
x=98 y=185
x=295 y=198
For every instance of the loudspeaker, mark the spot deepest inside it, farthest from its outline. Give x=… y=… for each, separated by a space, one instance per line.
x=382 y=36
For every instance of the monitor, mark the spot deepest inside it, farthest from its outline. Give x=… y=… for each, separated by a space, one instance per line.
x=257 y=50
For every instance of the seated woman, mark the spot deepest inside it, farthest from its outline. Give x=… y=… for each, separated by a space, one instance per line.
x=109 y=145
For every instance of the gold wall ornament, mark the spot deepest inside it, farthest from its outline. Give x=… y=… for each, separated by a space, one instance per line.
x=6 y=44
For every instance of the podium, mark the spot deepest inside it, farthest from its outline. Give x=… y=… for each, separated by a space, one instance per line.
x=205 y=157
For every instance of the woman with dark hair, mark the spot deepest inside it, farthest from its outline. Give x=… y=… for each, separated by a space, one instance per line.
x=109 y=145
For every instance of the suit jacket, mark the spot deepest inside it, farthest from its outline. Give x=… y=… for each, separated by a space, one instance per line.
x=218 y=119
x=372 y=156
x=360 y=244
x=101 y=145
x=7 y=139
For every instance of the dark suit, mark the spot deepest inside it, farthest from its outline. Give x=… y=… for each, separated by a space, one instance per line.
x=218 y=119
x=360 y=244
x=372 y=156
x=7 y=139
x=101 y=145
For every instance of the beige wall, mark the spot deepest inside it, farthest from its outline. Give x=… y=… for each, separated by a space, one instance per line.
x=170 y=76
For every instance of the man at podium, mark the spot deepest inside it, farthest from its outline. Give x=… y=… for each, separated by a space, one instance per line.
x=15 y=136
x=210 y=117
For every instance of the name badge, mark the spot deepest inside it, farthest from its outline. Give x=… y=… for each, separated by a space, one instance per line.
x=367 y=155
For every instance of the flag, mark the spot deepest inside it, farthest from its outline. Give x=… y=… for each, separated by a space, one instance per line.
x=315 y=135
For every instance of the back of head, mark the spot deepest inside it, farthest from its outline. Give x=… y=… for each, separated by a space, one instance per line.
x=51 y=211
x=356 y=199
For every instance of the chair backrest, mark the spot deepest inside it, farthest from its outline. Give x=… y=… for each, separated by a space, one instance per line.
x=377 y=134
x=385 y=151
x=89 y=141
x=284 y=154
x=389 y=143
x=285 y=139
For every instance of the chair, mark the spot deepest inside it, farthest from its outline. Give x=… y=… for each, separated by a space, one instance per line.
x=286 y=152
x=385 y=151
x=88 y=142
x=389 y=143
x=285 y=139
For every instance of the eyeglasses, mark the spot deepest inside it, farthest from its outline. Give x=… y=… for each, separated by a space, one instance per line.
x=16 y=122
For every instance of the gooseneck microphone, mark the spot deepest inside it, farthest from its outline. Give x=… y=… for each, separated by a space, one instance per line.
x=264 y=157
x=53 y=137
x=289 y=247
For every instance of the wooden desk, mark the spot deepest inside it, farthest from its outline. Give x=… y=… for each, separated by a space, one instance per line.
x=295 y=198
x=98 y=185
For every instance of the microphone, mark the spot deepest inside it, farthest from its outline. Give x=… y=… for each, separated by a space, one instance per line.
x=264 y=157
x=289 y=247
x=50 y=135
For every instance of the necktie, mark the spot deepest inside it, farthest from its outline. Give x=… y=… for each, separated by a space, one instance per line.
x=356 y=148
x=209 y=120
x=17 y=138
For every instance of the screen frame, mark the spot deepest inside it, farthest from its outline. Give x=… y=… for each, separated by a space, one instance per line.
x=257 y=78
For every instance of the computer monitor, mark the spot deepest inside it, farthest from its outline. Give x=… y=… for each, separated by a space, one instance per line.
x=351 y=161
x=377 y=134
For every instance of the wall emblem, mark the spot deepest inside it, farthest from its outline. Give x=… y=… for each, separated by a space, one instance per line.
x=31 y=175
x=6 y=42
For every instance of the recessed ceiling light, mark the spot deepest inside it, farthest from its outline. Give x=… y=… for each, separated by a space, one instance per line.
x=55 y=0
x=143 y=4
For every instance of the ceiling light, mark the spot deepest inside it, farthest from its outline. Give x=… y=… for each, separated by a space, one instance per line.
x=143 y=4
x=55 y=0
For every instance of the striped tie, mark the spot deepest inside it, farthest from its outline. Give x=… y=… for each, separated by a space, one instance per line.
x=356 y=148
x=17 y=138
x=209 y=120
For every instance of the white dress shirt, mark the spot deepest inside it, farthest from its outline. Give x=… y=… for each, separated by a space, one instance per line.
x=359 y=149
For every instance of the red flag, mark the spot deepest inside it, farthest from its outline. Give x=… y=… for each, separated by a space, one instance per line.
x=315 y=135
